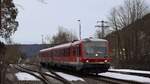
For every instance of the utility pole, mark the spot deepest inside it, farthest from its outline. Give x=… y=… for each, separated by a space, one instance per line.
x=102 y=26
x=79 y=29
x=42 y=39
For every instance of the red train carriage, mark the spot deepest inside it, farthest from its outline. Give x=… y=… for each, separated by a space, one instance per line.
x=88 y=55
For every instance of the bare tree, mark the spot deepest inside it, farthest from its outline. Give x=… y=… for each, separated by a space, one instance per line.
x=128 y=13
x=120 y=18
x=62 y=36
x=98 y=34
x=115 y=24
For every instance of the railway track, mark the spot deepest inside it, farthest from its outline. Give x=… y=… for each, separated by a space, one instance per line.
x=122 y=78
x=99 y=78
x=42 y=75
x=106 y=79
x=32 y=73
x=110 y=80
x=136 y=73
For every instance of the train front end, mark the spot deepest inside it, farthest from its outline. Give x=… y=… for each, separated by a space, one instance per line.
x=95 y=57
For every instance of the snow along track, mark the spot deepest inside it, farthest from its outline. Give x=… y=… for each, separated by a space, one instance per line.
x=32 y=73
x=131 y=72
x=43 y=75
x=114 y=78
x=108 y=77
x=126 y=78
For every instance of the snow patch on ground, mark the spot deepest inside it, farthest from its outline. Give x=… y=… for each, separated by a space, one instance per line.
x=129 y=70
x=25 y=76
x=70 y=77
x=126 y=77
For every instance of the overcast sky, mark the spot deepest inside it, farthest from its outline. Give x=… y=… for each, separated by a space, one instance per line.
x=37 y=19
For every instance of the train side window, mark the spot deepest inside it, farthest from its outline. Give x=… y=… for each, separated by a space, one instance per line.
x=51 y=53
x=59 y=52
x=48 y=53
x=63 y=52
x=54 y=52
x=69 y=51
x=79 y=49
x=78 y=53
x=74 y=51
x=66 y=52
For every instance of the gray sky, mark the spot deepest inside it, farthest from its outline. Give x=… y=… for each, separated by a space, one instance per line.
x=37 y=19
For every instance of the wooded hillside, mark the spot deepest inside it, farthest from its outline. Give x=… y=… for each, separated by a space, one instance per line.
x=132 y=50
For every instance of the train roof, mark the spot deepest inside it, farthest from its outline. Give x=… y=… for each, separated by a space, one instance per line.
x=93 y=39
x=61 y=46
x=74 y=43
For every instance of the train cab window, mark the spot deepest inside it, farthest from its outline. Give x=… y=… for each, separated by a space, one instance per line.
x=95 y=49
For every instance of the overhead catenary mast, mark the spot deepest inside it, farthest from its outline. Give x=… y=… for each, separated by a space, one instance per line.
x=102 y=26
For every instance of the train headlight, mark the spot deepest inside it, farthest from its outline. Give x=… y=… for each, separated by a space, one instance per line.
x=87 y=60
x=96 y=55
x=106 y=61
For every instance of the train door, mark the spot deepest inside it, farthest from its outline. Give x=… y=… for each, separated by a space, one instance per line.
x=77 y=47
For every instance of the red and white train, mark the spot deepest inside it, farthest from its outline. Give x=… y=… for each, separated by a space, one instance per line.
x=87 y=55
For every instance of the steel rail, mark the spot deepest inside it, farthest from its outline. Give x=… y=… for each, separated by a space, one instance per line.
x=29 y=72
x=55 y=77
x=100 y=78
